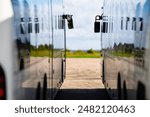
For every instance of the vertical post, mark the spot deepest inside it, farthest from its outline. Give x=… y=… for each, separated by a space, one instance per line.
x=64 y=36
x=102 y=9
x=64 y=44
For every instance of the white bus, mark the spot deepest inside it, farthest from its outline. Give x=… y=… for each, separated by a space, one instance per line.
x=32 y=46
x=125 y=34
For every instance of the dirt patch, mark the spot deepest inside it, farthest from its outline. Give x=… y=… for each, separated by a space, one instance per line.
x=83 y=68
x=83 y=81
x=83 y=73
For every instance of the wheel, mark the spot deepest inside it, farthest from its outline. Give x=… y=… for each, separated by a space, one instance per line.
x=124 y=91
x=141 y=91
x=2 y=85
x=38 y=91
x=21 y=64
x=62 y=71
x=103 y=74
x=45 y=87
x=119 y=86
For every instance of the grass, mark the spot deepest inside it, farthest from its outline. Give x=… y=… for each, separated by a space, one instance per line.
x=79 y=54
x=82 y=54
x=122 y=54
x=69 y=54
x=40 y=53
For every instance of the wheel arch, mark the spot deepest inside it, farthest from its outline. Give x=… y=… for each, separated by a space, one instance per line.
x=3 y=92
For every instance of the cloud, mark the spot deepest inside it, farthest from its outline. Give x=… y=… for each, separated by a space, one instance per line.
x=84 y=12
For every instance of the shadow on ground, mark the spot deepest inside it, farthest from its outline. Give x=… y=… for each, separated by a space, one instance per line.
x=82 y=94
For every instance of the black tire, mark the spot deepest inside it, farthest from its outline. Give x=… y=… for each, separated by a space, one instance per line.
x=141 y=95
x=21 y=64
x=45 y=87
x=38 y=91
x=124 y=91
x=103 y=73
x=62 y=71
x=119 y=86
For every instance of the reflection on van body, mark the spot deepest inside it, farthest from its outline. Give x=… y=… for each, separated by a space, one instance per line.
x=36 y=72
x=126 y=48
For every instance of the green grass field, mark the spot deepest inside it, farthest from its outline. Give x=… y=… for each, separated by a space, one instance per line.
x=69 y=54
x=79 y=54
x=83 y=54
x=40 y=53
x=122 y=54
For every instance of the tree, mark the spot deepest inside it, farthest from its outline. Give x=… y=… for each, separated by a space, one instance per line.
x=67 y=50
x=90 y=51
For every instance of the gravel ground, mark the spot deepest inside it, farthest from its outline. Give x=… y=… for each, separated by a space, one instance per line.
x=83 y=81
x=83 y=73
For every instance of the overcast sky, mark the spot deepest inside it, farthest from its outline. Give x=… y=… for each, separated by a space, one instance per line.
x=84 y=12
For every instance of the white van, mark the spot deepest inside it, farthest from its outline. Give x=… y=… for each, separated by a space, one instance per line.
x=126 y=48
x=32 y=44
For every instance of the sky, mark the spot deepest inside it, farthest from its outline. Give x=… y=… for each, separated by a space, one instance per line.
x=84 y=11
x=82 y=36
